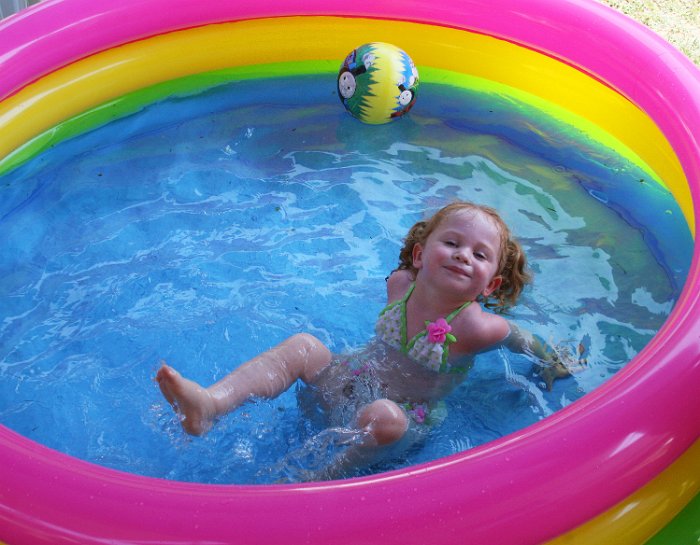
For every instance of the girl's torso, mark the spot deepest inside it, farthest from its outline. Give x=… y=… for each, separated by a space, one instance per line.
x=428 y=346
x=380 y=371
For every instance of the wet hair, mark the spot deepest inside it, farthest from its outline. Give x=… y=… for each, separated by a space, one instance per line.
x=512 y=262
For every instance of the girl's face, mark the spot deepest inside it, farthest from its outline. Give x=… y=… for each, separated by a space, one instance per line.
x=461 y=255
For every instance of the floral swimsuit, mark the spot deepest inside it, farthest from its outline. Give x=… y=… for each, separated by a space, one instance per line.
x=430 y=347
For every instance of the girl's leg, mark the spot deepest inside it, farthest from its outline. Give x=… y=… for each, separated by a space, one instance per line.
x=302 y=357
x=382 y=423
x=385 y=421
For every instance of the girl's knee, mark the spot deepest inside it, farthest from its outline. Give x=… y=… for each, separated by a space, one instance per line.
x=313 y=353
x=384 y=420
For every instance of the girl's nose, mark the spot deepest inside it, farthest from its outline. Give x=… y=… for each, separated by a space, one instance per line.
x=461 y=255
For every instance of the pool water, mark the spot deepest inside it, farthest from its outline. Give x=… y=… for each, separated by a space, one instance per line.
x=207 y=228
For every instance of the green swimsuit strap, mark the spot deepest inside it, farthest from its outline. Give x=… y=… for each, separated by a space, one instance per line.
x=404 y=327
x=409 y=291
x=401 y=301
x=454 y=313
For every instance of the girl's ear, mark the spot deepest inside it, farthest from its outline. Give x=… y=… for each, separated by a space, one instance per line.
x=493 y=286
x=417 y=255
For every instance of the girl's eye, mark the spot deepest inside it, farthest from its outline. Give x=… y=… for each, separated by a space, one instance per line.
x=480 y=255
x=451 y=243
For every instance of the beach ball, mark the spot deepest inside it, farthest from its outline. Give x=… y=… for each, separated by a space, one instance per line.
x=377 y=82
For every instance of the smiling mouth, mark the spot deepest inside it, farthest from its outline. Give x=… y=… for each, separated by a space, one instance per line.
x=457 y=270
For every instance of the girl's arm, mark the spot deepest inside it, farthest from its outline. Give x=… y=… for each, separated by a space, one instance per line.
x=522 y=341
x=550 y=365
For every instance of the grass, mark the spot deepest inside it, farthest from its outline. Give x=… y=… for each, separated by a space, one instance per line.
x=677 y=21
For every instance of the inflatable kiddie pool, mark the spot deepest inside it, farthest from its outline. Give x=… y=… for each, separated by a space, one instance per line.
x=614 y=467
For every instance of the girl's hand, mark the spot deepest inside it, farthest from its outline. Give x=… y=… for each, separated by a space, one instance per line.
x=560 y=361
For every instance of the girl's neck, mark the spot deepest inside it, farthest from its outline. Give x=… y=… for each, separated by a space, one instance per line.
x=430 y=304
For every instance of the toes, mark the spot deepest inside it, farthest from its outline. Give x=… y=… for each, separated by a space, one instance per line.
x=165 y=378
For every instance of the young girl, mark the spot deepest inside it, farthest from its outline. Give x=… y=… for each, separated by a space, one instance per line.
x=427 y=336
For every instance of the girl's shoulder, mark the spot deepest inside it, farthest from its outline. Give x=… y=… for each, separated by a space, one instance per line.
x=397 y=284
x=477 y=330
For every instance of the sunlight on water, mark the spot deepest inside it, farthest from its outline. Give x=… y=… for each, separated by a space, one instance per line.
x=206 y=229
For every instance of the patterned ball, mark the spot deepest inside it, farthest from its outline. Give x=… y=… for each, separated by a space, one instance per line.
x=377 y=82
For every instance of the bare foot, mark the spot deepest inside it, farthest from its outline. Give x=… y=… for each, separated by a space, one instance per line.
x=192 y=402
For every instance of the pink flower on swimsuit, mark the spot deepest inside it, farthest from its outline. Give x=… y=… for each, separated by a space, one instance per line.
x=419 y=413
x=438 y=330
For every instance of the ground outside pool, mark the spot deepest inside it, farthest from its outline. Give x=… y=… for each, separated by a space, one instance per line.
x=206 y=228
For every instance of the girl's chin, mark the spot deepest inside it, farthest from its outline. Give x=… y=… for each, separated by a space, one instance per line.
x=460 y=291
